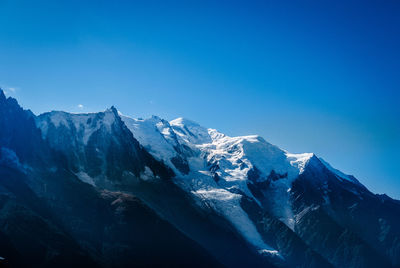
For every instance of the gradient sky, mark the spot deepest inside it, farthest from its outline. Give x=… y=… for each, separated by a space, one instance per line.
x=308 y=76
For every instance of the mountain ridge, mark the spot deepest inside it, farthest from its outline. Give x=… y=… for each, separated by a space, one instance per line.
x=271 y=207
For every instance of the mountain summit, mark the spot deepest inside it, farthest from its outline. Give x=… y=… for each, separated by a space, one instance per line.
x=106 y=190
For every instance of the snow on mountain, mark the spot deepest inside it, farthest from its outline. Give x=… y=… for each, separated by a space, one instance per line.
x=230 y=159
x=287 y=207
x=299 y=160
x=217 y=170
x=64 y=130
x=178 y=143
x=155 y=135
x=236 y=156
x=190 y=131
x=99 y=148
x=228 y=205
x=220 y=167
x=83 y=124
x=158 y=137
x=236 y=162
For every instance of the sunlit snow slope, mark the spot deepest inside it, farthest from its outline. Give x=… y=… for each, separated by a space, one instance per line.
x=221 y=169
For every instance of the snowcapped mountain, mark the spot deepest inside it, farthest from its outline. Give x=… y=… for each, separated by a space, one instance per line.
x=224 y=171
x=98 y=147
x=221 y=169
x=108 y=183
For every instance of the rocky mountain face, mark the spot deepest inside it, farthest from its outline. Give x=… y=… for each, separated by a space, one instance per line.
x=51 y=218
x=106 y=190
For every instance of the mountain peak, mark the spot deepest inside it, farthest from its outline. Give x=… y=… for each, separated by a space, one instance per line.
x=266 y=195
x=113 y=110
x=2 y=95
x=181 y=121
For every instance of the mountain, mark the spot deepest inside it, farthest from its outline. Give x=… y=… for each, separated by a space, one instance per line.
x=281 y=203
x=50 y=218
x=106 y=190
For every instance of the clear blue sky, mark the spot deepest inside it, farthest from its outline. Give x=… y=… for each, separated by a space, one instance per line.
x=309 y=76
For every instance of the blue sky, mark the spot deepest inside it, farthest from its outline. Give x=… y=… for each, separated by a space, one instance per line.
x=309 y=76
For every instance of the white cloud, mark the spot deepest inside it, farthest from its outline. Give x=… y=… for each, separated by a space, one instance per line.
x=12 y=89
x=80 y=106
